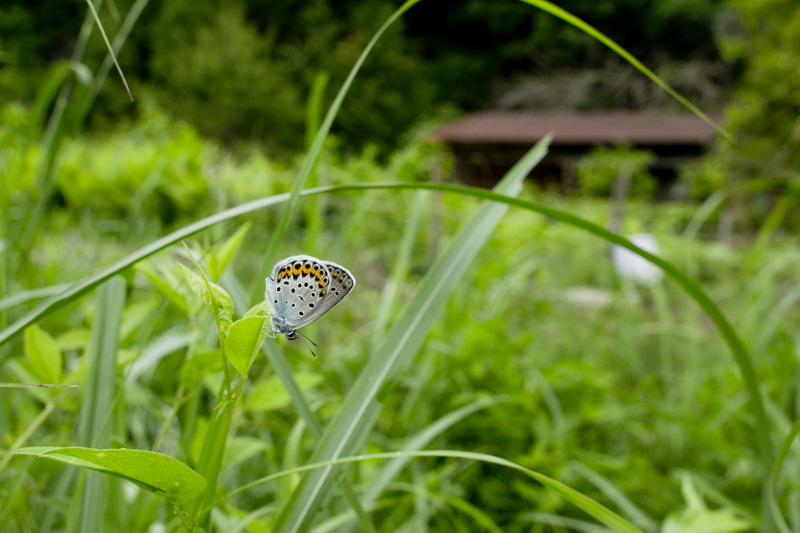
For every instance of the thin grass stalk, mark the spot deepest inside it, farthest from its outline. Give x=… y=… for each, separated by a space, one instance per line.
x=108 y=45
x=400 y=268
x=284 y=372
x=598 y=511
x=131 y=18
x=210 y=464
x=313 y=154
x=98 y=402
x=53 y=140
x=571 y=19
x=314 y=206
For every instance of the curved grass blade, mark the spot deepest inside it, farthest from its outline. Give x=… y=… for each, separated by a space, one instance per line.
x=82 y=287
x=313 y=153
x=772 y=501
x=689 y=286
x=569 y=18
x=361 y=406
x=390 y=471
x=583 y=502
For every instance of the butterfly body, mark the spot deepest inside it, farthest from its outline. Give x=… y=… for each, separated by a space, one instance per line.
x=303 y=288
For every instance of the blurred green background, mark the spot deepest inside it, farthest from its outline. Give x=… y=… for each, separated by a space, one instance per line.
x=566 y=365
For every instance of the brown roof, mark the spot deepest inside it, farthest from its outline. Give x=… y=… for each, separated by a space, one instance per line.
x=578 y=128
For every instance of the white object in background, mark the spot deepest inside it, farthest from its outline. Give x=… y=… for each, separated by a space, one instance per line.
x=634 y=267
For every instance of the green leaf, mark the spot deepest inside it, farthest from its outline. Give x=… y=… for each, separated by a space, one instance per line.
x=163 y=286
x=152 y=471
x=260 y=309
x=243 y=342
x=220 y=257
x=212 y=295
x=43 y=354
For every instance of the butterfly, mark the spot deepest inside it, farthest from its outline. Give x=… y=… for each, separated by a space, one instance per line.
x=301 y=289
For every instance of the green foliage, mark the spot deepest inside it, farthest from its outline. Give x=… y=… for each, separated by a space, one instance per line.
x=243 y=342
x=240 y=70
x=604 y=406
x=44 y=355
x=155 y=472
x=585 y=384
x=598 y=171
x=759 y=38
x=224 y=78
x=214 y=297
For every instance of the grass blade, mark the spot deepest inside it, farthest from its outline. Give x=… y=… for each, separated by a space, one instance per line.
x=688 y=285
x=588 y=505
x=569 y=18
x=99 y=400
x=394 y=466
x=691 y=287
x=110 y=48
x=361 y=407
x=313 y=154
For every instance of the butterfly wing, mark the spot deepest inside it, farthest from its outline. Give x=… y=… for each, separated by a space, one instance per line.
x=297 y=290
x=341 y=283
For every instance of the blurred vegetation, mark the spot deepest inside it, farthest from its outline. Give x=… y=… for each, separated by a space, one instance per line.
x=760 y=41
x=254 y=61
x=604 y=165
x=627 y=394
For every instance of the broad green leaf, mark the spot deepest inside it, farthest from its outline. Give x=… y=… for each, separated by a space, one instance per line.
x=152 y=471
x=216 y=299
x=260 y=309
x=43 y=354
x=74 y=339
x=243 y=342
x=269 y=394
x=220 y=257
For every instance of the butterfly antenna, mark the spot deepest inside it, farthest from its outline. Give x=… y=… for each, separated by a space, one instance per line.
x=306 y=340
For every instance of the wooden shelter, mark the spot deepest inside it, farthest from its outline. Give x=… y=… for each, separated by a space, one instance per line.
x=487 y=144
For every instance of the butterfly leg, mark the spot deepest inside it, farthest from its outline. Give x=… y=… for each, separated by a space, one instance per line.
x=269 y=331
